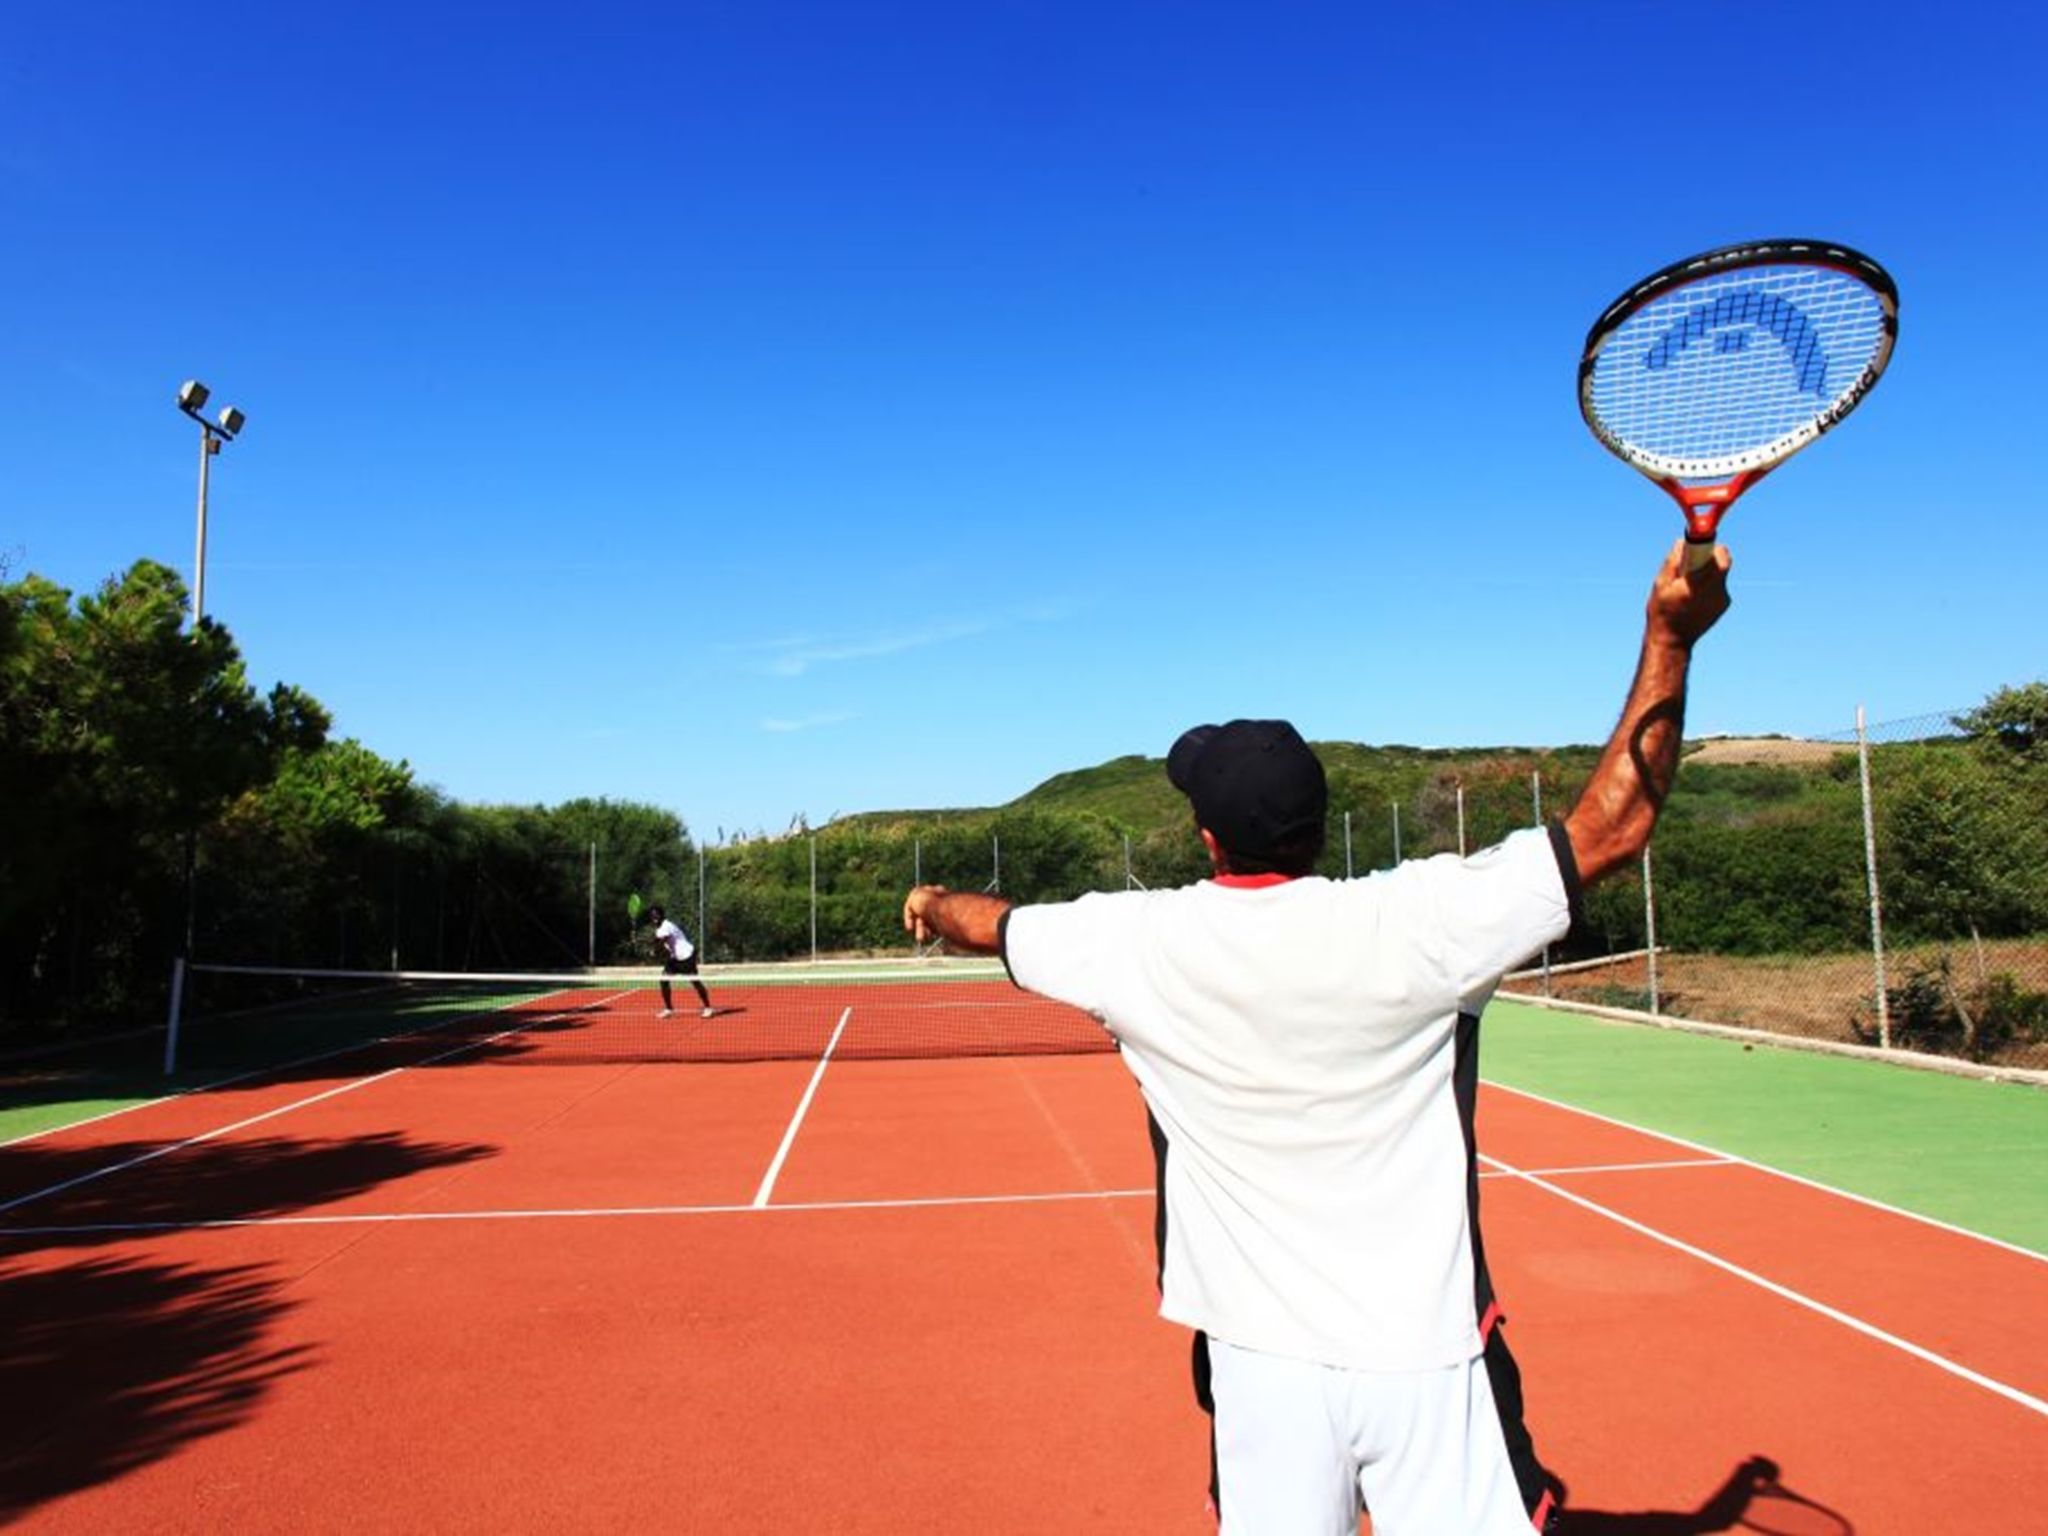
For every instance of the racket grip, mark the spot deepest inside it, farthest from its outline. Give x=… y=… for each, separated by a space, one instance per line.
x=1698 y=552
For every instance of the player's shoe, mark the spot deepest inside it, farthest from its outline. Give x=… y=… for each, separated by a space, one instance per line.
x=707 y=1013
x=666 y=1013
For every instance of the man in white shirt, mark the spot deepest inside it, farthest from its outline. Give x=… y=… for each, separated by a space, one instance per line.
x=1307 y=1050
x=678 y=958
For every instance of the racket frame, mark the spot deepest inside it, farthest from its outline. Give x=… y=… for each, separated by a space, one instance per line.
x=1705 y=491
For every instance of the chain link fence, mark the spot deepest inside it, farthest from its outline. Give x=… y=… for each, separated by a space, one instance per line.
x=1881 y=886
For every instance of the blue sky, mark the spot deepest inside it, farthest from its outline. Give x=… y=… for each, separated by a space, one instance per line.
x=777 y=409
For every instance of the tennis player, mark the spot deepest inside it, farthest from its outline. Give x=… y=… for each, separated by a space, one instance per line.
x=1307 y=1050
x=678 y=958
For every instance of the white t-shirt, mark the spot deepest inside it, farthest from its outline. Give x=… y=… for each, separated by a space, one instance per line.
x=673 y=940
x=1295 y=1042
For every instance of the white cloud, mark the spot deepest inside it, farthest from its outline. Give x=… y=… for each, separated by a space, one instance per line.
x=809 y=722
x=795 y=656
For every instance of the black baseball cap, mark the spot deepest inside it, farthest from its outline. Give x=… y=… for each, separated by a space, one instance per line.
x=1253 y=783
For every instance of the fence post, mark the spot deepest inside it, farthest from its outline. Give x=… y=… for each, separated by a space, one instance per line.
x=814 y=898
x=1536 y=796
x=1347 y=845
x=995 y=845
x=1461 y=821
x=1884 y=1002
x=1397 y=831
x=1650 y=928
x=593 y=914
x=703 y=923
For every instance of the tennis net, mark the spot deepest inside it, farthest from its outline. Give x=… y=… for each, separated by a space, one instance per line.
x=233 y=1016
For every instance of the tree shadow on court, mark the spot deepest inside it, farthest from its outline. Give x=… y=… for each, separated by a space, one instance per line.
x=1754 y=1498
x=111 y=1361
x=108 y=1364
x=72 y=1195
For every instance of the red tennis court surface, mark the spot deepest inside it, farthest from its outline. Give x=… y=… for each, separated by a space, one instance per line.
x=902 y=1296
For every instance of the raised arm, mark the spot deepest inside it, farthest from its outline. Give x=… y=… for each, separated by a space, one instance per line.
x=1611 y=824
x=964 y=919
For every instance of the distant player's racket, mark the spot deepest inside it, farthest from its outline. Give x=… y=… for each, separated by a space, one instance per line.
x=633 y=908
x=1708 y=375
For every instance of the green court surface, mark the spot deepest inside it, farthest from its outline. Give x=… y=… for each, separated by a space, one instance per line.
x=1959 y=1149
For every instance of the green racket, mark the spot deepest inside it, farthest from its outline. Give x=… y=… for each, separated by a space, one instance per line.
x=633 y=908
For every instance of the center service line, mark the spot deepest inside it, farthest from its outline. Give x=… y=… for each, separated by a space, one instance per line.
x=803 y=1108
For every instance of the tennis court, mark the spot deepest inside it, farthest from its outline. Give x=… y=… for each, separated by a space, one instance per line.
x=908 y=1289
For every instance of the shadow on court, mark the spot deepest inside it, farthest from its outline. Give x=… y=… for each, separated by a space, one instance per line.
x=1754 y=1498
x=87 y=1194
x=109 y=1364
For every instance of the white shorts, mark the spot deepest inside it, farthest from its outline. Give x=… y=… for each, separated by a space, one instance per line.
x=1298 y=1444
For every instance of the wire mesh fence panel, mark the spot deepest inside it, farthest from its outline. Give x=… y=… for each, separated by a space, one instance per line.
x=1758 y=888
x=1960 y=825
x=1765 y=912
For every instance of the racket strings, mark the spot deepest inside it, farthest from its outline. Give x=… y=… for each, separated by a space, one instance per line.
x=1716 y=375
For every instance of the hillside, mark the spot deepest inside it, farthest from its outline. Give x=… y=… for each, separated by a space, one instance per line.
x=1131 y=793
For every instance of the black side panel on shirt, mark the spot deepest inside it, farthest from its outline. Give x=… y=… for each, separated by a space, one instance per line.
x=1568 y=867
x=1158 y=1140
x=1539 y=1488
x=1003 y=941
x=1199 y=1358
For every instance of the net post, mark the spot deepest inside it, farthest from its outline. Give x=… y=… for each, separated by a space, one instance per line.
x=1884 y=1002
x=176 y=1014
x=1650 y=928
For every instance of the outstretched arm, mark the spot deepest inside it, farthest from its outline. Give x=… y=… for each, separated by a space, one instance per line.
x=1610 y=826
x=964 y=919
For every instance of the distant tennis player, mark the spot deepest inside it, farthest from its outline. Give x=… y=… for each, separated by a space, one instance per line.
x=1307 y=1050
x=678 y=958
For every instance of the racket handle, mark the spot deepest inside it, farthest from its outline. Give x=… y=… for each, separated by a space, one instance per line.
x=1698 y=552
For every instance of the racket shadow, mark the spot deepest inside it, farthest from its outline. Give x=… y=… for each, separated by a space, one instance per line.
x=1754 y=1498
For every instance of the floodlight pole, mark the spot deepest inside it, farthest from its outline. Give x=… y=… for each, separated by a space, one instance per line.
x=207 y=449
x=192 y=397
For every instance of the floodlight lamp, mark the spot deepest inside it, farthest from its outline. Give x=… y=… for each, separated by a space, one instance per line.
x=231 y=420
x=192 y=396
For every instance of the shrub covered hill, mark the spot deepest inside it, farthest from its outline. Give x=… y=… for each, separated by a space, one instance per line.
x=1760 y=849
x=1116 y=825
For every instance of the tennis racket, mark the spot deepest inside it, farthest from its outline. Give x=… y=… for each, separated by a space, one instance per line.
x=633 y=909
x=1708 y=375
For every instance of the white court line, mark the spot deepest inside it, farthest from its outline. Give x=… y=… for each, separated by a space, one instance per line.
x=570 y=1213
x=1734 y=1157
x=803 y=1108
x=1785 y=1293
x=1675 y=1162
x=115 y=1228
x=283 y=1109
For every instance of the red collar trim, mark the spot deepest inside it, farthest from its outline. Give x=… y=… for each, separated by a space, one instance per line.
x=1252 y=882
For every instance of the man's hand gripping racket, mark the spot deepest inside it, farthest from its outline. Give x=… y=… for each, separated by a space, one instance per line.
x=1709 y=374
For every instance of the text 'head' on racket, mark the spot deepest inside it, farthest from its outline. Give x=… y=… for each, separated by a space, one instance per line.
x=1711 y=373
